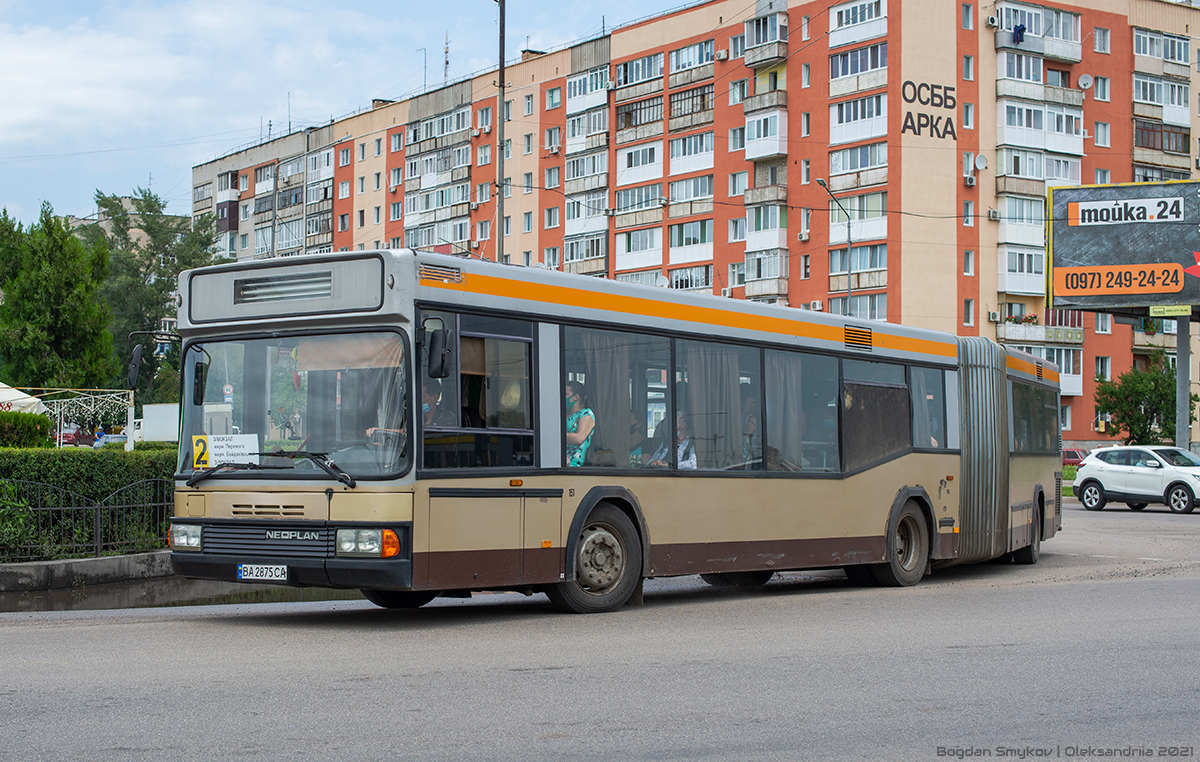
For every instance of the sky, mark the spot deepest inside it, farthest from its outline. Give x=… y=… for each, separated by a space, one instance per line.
x=125 y=95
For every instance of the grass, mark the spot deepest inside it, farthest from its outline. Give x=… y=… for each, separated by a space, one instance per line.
x=1068 y=477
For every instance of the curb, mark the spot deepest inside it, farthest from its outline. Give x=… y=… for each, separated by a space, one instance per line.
x=38 y=576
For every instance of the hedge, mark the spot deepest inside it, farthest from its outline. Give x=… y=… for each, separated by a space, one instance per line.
x=24 y=430
x=92 y=473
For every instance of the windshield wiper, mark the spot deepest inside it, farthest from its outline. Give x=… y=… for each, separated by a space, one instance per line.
x=197 y=477
x=320 y=459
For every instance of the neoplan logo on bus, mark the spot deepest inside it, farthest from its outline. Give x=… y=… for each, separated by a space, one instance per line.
x=282 y=534
x=1124 y=212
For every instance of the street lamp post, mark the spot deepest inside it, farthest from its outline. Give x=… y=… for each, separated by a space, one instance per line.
x=849 y=266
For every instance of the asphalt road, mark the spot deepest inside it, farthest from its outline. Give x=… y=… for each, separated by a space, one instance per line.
x=1092 y=650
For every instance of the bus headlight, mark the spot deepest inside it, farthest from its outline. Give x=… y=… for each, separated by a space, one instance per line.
x=186 y=537
x=367 y=543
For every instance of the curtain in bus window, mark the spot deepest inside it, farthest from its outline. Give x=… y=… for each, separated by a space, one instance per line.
x=801 y=418
x=606 y=367
x=624 y=380
x=929 y=408
x=876 y=422
x=710 y=402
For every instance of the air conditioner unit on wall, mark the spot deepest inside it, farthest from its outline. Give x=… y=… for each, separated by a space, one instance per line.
x=802 y=236
x=554 y=150
x=474 y=244
x=474 y=205
x=993 y=317
x=487 y=130
x=727 y=291
x=970 y=181
x=993 y=22
x=817 y=305
x=722 y=55
x=994 y=215
x=610 y=85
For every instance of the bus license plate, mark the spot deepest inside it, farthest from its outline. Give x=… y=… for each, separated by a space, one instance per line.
x=260 y=572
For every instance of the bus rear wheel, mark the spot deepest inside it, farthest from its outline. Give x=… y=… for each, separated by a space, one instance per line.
x=746 y=579
x=607 y=561
x=860 y=575
x=399 y=599
x=907 y=549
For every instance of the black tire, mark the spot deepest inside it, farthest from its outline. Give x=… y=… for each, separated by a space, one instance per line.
x=608 y=564
x=1180 y=500
x=747 y=579
x=860 y=575
x=399 y=599
x=907 y=549
x=1136 y=506
x=1033 y=551
x=1092 y=496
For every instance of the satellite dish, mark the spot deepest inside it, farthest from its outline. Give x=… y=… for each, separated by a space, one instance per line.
x=1085 y=81
x=662 y=281
x=980 y=162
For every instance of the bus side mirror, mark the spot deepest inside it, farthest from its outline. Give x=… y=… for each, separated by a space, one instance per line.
x=438 y=350
x=135 y=365
x=199 y=376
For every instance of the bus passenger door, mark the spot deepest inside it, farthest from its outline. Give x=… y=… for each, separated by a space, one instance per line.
x=542 y=546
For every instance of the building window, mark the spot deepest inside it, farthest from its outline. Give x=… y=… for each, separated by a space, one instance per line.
x=968 y=16
x=485 y=155
x=553 y=98
x=1100 y=40
x=738 y=183
x=527 y=222
x=362 y=151
x=1101 y=88
x=697 y=278
x=553 y=175
x=552 y=217
x=1104 y=369
x=737 y=229
x=691 y=56
x=858 y=61
x=528 y=105
x=969 y=116
x=641 y=69
x=343 y=222
x=969 y=214
x=1103 y=177
x=692 y=101
x=805 y=124
x=343 y=157
x=737 y=139
x=528 y=183
x=1021 y=66
x=1102 y=134
x=968 y=312
x=1103 y=322
x=738 y=91
x=640 y=112
x=872 y=257
x=969 y=262
x=969 y=68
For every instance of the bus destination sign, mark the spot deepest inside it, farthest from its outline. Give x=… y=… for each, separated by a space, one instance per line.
x=1129 y=245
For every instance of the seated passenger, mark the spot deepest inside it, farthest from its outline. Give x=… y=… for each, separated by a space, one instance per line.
x=581 y=423
x=432 y=413
x=685 y=448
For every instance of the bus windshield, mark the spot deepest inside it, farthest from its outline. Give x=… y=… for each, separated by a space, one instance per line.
x=339 y=397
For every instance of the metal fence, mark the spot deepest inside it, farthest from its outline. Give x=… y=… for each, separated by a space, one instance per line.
x=40 y=522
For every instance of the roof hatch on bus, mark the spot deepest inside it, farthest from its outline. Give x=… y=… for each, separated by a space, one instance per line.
x=280 y=290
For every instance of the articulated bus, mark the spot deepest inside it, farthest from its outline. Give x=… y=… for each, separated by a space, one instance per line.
x=414 y=424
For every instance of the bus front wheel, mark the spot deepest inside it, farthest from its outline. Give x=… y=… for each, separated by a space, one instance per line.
x=907 y=549
x=399 y=599
x=608 y=564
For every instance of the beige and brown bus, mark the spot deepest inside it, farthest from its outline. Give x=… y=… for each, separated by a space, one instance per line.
x=414 y=424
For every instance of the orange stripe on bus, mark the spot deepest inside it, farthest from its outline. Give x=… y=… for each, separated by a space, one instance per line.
x=636 y=305
x=1016 y=363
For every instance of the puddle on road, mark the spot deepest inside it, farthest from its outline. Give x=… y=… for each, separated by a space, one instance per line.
x=165 y=591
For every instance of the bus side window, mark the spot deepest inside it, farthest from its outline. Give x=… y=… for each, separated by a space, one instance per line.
x=928 y=408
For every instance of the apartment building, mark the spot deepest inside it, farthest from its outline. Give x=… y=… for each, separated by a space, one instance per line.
x=864 y=158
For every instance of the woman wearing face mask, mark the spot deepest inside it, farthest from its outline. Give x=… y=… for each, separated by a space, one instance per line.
x=431 y=413
x=581 y=424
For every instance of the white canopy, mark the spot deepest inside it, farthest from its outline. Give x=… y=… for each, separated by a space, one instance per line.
x=17 y=401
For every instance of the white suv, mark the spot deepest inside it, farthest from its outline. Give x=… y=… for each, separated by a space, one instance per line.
x=1138 y=476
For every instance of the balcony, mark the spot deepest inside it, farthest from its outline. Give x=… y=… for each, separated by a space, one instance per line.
x=856 y=83
x=860 y=179
x=1145 y=342
x=771 y=99
x=770 y=194
x=1020 y=186
x=688 y=76
x=767 y=287
x=763 y=56
x=1161 y=158
x=858 y=281
x=1064 y=96
x=1047 y=47
x=1070 y=384
x=1019 y=333
x=593 y=266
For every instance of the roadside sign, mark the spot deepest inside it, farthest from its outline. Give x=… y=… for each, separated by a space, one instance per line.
x=1170 y=310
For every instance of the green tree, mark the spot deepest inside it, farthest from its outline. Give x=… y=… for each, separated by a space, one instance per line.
x=1142 y=403
x=149 y=249
x=53 y=323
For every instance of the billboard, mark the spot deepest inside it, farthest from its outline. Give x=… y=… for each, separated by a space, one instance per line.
x=1126 y=245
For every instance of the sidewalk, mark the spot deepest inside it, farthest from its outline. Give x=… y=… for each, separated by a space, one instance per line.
x=39 y=576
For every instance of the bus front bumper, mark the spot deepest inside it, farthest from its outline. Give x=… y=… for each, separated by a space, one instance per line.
x=360 y=573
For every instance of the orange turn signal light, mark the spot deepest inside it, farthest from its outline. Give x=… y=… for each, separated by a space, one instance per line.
x=391 y=543
x=515 y=482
